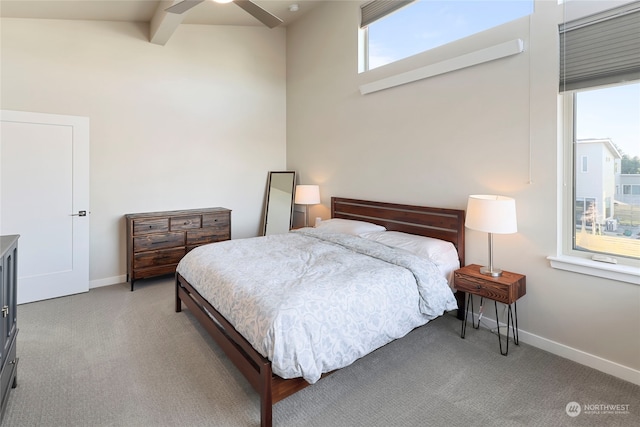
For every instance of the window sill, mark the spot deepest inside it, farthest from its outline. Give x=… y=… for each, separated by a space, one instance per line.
x=621 y=273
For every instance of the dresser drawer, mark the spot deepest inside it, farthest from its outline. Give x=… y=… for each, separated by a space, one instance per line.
x=218 y=219
x=151 y=225
x=206 y=235
x=155 y=271
x=165 y=256
x=492 y=290
x=186 y=222
x=152 y=242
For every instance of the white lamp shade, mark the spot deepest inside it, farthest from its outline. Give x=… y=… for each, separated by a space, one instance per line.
x=491 y=214
x=307 y=195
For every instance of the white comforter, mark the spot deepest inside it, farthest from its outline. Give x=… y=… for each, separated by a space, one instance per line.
x=313 y=302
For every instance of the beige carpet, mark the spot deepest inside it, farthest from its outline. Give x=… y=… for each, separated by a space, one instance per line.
x=112 y=357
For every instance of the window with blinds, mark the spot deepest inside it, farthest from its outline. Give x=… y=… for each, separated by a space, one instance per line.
x=600 y=80
x=601 y=49
x=378 y=9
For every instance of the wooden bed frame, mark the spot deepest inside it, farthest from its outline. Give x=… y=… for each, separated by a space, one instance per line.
x=445 y=224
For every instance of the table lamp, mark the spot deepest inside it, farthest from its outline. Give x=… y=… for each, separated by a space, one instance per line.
x=307 y=195
x=491 y=214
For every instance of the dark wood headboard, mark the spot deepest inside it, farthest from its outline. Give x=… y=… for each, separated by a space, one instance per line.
x=439 y=223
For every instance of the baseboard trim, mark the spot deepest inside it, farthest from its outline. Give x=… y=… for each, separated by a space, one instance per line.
x=596 y=362
x=107 y=281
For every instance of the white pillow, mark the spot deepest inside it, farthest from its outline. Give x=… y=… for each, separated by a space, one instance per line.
x=348 y=226
x=438 y=251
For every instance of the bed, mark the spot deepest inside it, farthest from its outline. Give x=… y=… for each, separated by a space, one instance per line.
x=260 y=365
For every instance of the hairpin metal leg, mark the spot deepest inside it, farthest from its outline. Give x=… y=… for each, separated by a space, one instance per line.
x=499 y=336
x=480 y=310
x=512 y=322
x=516 y=338
x=466 y=315
x=463 y=330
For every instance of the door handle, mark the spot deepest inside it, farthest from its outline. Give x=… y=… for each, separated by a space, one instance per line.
x=80 y=213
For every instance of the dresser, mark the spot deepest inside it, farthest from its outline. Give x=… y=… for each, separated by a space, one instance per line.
x=9 y=304
x=156 y=241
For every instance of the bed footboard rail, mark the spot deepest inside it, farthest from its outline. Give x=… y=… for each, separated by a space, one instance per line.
x=253 y=366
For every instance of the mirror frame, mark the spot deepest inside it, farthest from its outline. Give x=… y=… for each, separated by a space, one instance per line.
x=272 y=174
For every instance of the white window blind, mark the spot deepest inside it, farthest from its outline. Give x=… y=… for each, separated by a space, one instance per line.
x=601 y=49
x=376 y=9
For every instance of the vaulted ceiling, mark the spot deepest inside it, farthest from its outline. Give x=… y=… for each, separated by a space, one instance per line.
x=162 y=24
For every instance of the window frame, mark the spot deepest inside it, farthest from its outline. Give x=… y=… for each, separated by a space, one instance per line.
x=567 y=258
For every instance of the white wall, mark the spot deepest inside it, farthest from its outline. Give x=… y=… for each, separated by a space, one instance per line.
x=196 y=123
x=489 y=129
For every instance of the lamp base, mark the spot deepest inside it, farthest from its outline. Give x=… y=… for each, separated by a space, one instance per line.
x=493 y=272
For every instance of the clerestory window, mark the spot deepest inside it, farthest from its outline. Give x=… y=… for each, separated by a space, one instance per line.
x=392 y=30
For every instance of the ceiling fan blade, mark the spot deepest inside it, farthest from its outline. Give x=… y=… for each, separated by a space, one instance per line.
x=259 y=13
x=183 y=6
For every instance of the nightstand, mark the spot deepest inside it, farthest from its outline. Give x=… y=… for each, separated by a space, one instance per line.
x=506 y=289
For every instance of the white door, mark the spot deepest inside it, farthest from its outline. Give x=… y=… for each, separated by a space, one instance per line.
x=44 y=190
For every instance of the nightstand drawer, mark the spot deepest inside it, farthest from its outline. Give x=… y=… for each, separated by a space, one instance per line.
x=483 y=288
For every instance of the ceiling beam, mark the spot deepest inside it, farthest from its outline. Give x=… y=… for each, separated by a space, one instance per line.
x=164 y=24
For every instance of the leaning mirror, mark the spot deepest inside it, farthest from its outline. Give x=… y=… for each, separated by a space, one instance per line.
x=278 y=211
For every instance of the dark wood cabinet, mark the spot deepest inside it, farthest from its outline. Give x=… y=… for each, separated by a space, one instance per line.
x=156 y=241
x=9 y=328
